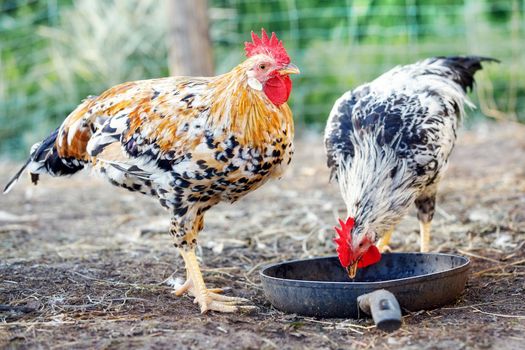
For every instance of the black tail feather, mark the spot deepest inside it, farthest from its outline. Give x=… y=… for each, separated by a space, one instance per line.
x=464 y=68
x=45 y=156
x=41 y=150
x=15 y=178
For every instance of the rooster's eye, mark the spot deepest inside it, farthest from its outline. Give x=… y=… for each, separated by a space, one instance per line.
x=262 y=66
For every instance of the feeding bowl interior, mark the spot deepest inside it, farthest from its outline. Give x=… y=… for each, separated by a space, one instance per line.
x=321 y=287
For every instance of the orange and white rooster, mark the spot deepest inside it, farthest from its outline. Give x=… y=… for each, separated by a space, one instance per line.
x=190 y=142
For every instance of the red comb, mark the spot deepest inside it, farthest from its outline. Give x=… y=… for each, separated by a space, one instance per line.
x=271 y=46
x=344 y=240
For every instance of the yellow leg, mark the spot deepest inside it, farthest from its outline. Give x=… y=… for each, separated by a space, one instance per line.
x=385 y=240
x=424 y=229
x=208 y=299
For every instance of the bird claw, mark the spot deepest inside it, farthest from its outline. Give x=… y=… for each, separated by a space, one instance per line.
x=211 y=299
x=385 y=249
x=223 y=303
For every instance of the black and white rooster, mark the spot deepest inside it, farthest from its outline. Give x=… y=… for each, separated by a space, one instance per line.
x=388 y=144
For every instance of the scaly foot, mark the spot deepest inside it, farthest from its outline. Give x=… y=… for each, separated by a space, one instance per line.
x=210 y=299
x=424 y=228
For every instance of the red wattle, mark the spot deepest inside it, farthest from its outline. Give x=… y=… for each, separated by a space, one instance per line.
x=371 y=257
x=278 y=89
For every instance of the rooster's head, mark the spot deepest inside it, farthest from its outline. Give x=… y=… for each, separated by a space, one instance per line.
x=355 y=250
x=268 y=67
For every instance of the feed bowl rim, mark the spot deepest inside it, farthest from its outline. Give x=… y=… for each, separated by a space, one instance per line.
x=376 y=284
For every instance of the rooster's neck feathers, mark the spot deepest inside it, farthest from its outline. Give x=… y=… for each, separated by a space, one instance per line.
x=364 y=191
x=245 y=111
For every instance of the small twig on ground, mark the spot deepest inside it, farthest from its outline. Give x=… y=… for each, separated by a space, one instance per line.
x=521 y=317
x=345 y=325
x=474 y=305
x=501 y=266
x=464 y=252
x=504 y=274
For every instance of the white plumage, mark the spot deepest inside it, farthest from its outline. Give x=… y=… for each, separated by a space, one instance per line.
x=388 y=142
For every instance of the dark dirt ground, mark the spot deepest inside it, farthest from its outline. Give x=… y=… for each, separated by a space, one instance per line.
x=76 y=272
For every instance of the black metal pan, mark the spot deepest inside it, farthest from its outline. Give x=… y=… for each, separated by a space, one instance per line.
x=320 y=287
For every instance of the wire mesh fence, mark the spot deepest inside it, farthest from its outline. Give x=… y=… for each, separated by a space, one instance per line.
x=53 y=53
x=342 y=43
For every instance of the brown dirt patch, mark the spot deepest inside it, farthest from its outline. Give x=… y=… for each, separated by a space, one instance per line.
x=76 y=273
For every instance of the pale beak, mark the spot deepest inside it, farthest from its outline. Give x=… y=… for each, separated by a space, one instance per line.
x=352 y=269
x=289 y=69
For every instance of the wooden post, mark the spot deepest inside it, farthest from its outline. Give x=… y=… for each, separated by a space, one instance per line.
x=190 y=51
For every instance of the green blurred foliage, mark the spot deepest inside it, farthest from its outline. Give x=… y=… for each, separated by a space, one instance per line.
x=54 y=53
x=340 y=44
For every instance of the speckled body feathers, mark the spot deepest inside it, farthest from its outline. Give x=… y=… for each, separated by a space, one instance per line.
x=388 y=141
x=190 y=142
